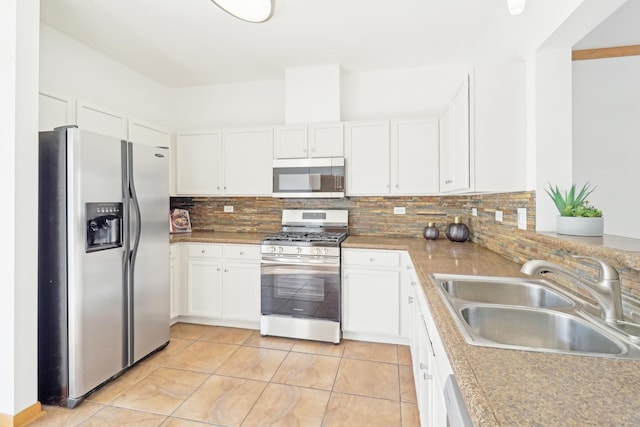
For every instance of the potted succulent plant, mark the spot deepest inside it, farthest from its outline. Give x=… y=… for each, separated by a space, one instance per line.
x=577 y=216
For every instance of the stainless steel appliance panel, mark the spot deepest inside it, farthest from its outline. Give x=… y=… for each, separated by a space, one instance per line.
x=149 y=237
x=95 y=278
x=318 y=178
x=298 y=289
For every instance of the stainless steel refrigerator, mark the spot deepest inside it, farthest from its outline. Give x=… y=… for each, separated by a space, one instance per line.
x=103 y=270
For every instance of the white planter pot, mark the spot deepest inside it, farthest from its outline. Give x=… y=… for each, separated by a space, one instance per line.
x=580 y=226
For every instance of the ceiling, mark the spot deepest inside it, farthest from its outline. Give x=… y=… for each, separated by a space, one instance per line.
x=621 y=28
x=193 y=42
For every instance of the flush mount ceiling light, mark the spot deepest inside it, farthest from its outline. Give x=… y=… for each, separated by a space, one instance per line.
x=516 y=6
x=248 y=10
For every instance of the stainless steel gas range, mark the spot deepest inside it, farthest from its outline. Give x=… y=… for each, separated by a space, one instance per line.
x=300 y=275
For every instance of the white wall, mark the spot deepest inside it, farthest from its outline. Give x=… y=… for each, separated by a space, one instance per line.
x=400 y=93
x=500 y=105
x=228 y=105
x=606 y=138
x=19 y=175
x=71 y=68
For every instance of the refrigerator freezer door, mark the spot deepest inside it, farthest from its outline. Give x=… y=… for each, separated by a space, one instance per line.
x=149 y=183
x=95 y=280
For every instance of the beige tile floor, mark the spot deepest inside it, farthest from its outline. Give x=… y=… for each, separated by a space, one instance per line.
x=210 y=375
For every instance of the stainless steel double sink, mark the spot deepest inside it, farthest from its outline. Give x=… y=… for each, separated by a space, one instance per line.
x=530 y=314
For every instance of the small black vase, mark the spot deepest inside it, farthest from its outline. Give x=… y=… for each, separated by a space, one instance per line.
x=431 y=232
x=457 y=231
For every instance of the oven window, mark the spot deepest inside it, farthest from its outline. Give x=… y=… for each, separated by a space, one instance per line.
x=293 y=290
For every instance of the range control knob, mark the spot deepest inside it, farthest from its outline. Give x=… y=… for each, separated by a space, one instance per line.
x=299 y=250
x=280 y=249
x=272 y=249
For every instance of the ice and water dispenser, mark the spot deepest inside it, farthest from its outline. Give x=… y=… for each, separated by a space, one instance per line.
x=104 y=226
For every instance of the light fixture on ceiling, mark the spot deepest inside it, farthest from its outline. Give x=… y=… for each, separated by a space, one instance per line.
x=516 y=6
x=248 y=10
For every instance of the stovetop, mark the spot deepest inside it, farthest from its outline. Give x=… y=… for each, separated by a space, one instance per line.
x=305 y=238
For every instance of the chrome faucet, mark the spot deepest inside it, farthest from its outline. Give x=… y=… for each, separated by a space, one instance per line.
x=606 y=292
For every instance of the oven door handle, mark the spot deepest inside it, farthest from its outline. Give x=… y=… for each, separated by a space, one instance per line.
x=329 y=262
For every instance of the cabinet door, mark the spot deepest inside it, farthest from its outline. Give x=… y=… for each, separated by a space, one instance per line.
x=425 y=391
x=242 y=291
x=99 y=120
x=326 y=140
x=290 y=142
x=415 y=161
x=454 y=143
x=248 y=162
x=199 y=160
x=372 y=301
x=204 y=283
x=54 y=111
x=367 y=158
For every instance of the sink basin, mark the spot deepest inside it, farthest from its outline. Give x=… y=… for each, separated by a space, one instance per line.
x=505 y=291
x=517 y=327
x=534 y=315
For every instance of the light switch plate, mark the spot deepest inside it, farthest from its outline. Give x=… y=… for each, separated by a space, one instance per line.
x=228 y=208
x=474 y=211
x=499 y=216
x=522 y=218
x=399 y=210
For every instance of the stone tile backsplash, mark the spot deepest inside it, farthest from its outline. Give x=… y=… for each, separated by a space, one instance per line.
x=374 y=216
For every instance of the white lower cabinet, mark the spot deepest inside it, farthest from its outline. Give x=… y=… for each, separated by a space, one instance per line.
x=175 y=281
x=241 y=283
x=371 y=295
x=223 y=284
x=431 y=366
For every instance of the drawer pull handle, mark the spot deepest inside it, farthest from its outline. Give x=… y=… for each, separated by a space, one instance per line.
x=410 y=300
x=424 y=366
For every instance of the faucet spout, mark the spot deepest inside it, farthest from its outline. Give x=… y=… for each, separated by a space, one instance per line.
x=606 y=292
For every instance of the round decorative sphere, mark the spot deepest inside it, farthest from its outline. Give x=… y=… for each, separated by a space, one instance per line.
x=431 y=232
x=457 y=231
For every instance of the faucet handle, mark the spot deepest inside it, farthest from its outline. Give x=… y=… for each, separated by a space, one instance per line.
x=606 y=271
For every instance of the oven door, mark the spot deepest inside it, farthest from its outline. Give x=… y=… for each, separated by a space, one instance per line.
x=307 y=287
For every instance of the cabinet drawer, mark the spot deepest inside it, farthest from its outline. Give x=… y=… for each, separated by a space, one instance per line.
x=172 y=251
x=242 y=252
x=371 y=258
x=205 y=251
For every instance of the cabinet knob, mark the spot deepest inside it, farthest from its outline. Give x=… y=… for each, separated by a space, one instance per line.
x=226 y=270
x=371 y=259
x=449 y=181
x=413 y=283
x=397 y=186
x=218 y=187
x=424 y=366
x=426 y=376
x=409 y=267
x=218 y=269
x=225 y=188
x=203 y=251
x=241 y=252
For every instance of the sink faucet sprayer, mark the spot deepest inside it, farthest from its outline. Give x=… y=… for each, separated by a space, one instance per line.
x=606 y=292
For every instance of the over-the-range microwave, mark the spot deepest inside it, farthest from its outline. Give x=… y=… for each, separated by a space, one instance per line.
x=305 y=178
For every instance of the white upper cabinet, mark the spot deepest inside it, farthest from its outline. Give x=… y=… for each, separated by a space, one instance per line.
x=231 y=162
x=326 y=140
x=414 y=157
x=291 y=142
x=199 y=156
x=454 y=143
x=248 y=165
x=308 y=141
x=100 y=120
x=54 y=111
x=367 y=149
x=148 y=134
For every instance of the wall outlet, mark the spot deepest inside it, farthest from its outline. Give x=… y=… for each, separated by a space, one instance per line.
x=522 y=218
x=399 y=210
x=228 y=208
x=499 y=216
x=474 y=211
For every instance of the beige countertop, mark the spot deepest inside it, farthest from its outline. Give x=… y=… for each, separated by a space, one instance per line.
x=503 y=387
